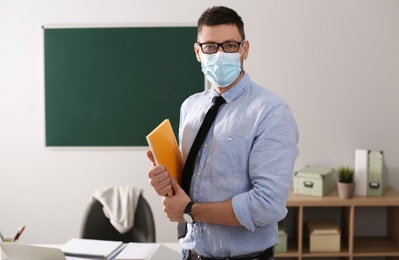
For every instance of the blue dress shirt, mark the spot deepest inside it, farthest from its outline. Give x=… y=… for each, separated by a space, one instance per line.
x=249 y=156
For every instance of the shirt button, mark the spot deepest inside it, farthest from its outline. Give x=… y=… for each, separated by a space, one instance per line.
x=198 y=174
x=205 y=145
x=229 y=139
x=196 y=231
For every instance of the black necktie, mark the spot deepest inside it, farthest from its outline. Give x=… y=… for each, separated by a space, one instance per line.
x=188 y=168
x=210 y=116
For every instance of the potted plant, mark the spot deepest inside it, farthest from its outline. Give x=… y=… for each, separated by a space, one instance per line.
x=346 y=182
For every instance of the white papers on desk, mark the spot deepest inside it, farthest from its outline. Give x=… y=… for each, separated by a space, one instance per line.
x=91 y=248
x=147 y=251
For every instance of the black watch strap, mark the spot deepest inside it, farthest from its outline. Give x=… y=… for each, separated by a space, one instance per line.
x=187 y=210
x=188 y=217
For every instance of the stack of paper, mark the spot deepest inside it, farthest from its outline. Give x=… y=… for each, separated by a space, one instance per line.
x=93 y=249
x=147 y=251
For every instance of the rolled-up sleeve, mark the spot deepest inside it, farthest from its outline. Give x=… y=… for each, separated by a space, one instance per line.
x=271 y=166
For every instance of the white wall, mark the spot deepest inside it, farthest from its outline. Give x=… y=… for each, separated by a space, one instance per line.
x=336 y=63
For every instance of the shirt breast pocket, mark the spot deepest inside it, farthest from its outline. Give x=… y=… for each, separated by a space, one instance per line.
x=230 y=155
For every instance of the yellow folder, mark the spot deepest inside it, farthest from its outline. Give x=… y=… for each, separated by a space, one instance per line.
x=163 y=144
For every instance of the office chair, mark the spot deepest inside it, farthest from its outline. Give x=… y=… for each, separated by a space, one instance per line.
x=97 y=226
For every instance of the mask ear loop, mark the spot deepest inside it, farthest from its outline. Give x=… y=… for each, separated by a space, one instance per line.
x=242 y=51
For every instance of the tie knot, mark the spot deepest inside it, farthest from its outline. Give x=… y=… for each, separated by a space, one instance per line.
x=218 y=101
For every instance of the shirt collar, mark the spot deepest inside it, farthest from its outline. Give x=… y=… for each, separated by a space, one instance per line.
x=236 y=90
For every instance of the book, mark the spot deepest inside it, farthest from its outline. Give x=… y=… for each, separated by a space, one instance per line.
x=147 y=251
x=166 y=151
x=92 y=248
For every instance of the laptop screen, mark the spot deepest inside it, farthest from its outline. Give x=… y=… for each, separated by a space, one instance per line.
x=16 y=251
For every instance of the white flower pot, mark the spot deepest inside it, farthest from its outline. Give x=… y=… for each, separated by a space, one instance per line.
x=346 y=190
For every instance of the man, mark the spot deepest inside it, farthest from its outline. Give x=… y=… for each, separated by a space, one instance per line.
x=243 y=172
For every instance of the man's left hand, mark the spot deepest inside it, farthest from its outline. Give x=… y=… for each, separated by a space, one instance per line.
x=174 y=205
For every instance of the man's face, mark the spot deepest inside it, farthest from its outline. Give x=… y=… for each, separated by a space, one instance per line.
x=220 y=34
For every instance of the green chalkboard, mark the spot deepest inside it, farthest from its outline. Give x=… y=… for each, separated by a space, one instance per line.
x=112 y=86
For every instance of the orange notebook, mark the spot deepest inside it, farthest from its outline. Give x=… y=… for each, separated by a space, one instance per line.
x=163 y=144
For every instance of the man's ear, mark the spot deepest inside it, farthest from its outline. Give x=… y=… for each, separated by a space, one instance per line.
x=197 y=50
x=246 y=50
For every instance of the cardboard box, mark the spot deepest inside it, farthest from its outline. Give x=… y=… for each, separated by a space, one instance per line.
x=282 y=236
x=314 y=180
x=324 y=236
x=377 y=177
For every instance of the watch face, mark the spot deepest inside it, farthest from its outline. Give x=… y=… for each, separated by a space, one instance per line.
x=188 y=218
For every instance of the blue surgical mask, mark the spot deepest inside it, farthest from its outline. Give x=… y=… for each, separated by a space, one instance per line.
x=221 y=68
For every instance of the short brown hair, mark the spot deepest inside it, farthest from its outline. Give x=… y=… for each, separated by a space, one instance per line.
x=218 y=15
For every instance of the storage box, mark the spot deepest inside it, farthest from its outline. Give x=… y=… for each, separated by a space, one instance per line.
x=324 y=236
x=377 y=177
x=282 y=236
x=314 y=180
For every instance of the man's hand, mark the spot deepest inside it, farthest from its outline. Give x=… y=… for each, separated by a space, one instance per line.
x=174 y=206
x=159 y=177
x=162 y=183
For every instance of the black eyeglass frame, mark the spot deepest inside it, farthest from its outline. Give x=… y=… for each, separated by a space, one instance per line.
x=220 y=45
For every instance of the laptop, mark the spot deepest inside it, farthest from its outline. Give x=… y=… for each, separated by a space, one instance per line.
x=16 y=251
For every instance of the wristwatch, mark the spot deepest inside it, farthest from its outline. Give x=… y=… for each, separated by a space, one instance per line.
x=187 y=213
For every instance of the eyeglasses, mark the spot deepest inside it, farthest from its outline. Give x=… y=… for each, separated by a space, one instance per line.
x=213 y=47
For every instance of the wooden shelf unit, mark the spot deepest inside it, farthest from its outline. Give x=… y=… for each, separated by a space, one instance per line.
x=353 y=246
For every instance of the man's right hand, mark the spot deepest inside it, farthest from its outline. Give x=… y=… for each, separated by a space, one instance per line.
x=159 y=177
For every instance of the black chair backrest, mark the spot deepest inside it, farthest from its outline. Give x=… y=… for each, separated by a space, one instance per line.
x=97 y=226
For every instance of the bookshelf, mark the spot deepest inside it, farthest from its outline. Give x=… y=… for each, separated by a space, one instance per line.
x=354 y=245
